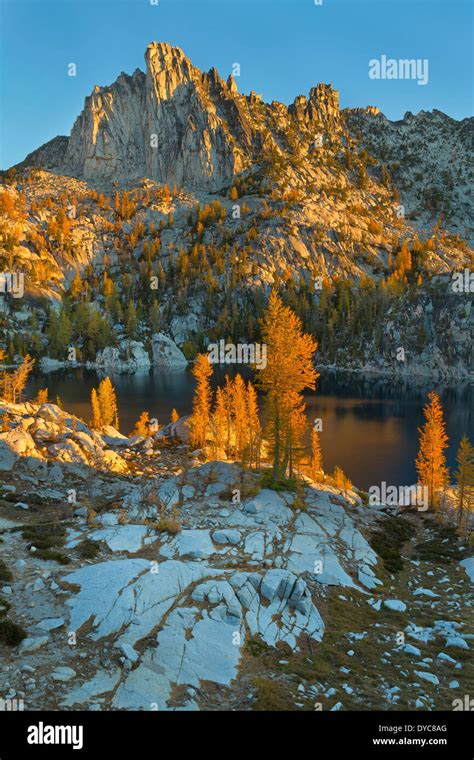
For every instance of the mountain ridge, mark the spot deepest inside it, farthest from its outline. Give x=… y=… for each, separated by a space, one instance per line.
x=176 y=124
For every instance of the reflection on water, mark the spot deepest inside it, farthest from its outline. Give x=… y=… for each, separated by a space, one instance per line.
x=369 y=424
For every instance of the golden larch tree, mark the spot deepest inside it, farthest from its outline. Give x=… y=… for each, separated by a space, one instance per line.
x=42 y=396
x=227 y=399
x=108 y=403
x=202 y=371
x=13 y=383
x=295 y=427
x=289 y=370
x=142 y=425
x=255 y=429
x=219 y=423
x=465 y=481
x=431 y=461
x=316 y=454
x=239 y=413
x=104 y=405
x=96 y=418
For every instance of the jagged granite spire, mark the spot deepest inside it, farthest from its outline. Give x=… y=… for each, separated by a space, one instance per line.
x=168 y=124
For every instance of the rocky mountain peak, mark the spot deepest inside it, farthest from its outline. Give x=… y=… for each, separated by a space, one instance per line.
x=173 y=124
x=164 y=50
x=232 y=85
x=178 y=125
x=321 y=106
x=167 y=68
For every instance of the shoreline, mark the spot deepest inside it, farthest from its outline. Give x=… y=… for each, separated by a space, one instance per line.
x=409 y=374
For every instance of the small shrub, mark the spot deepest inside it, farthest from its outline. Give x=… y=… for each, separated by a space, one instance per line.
x=189 y=349
x=167 y=524
x=277 y=484
x=88 y=549
x=51 y=554
x=271 y=696
x=443 y=548
x=250 y=490
x=256 y=647
x=5 y=574
x=388 y=542
x=45 y=536
x=341 y=480
x=299 y=503
x=11 y=634
x=91 y=515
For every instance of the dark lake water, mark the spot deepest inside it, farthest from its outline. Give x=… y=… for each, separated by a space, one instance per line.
x=369 y=424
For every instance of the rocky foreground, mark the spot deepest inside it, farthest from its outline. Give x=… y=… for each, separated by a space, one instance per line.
x=140 y=577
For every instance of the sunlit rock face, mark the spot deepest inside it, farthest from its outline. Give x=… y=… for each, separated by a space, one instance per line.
x=107 y=139
x=177 y=125
x=173 y=124
x=183 y=114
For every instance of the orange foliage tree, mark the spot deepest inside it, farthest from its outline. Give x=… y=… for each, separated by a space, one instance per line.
x=431 y=461
x=202 y=371
x=289 y=370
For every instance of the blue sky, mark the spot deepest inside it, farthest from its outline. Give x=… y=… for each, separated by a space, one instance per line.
x=284 y=47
